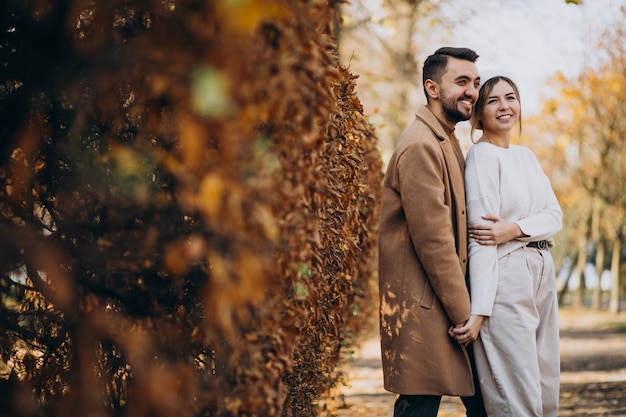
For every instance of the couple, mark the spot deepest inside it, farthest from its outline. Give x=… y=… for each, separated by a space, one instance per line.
x=485 y=224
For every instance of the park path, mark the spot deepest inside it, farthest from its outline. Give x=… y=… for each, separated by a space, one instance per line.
x=593 y=379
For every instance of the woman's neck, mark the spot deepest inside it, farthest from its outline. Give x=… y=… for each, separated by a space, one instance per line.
x=501 y=140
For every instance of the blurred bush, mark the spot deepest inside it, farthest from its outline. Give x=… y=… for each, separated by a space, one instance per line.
x=188 y=207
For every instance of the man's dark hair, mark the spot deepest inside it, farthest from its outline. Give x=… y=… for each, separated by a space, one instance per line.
x=435 y=65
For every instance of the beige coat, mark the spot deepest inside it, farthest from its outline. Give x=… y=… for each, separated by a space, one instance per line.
x=423 y=264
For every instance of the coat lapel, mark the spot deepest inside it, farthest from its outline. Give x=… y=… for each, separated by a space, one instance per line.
x=451 y=152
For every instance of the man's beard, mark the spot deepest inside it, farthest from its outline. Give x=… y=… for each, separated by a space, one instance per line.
x=452 y=112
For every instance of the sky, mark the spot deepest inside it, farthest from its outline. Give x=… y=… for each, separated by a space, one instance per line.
x=532 y=39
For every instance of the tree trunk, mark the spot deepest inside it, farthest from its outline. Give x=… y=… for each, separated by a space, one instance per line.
x=566 y=284
x=596 y=303
x=614 y=307
x=579 y=294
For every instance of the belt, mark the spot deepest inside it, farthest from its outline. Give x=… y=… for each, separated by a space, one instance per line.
x=541 y=244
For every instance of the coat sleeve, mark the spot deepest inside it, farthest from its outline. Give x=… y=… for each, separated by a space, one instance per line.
x=422 y=180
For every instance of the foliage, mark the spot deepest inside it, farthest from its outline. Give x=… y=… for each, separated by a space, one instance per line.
x=584 y=124
x=382 y=40
x=188 y=207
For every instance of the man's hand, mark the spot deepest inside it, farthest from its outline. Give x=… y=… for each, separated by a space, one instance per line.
x=466 y=333
x=495 y=233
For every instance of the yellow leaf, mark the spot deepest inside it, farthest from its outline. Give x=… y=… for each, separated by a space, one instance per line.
x=211 y=195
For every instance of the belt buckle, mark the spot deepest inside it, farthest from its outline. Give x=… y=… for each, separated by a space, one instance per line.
x=542 y=244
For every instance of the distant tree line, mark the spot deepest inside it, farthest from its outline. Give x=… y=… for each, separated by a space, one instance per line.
x=580 y=136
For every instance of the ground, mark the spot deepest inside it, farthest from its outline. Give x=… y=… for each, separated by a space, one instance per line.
x=593 y=377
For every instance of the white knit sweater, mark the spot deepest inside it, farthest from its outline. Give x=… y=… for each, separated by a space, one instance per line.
x=509 y=183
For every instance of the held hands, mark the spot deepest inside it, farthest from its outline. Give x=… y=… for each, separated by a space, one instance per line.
x=498 y=232
x=466 y=333
x=495 y=233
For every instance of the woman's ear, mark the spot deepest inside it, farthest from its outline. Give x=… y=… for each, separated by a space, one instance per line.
x=431 y=88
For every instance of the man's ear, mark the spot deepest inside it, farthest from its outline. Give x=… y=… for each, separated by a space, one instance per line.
x=432 y=89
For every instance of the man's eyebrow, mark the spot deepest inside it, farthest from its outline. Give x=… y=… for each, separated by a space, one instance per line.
x=463 y=77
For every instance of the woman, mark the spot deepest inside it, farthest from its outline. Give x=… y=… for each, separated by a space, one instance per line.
x=513 y=214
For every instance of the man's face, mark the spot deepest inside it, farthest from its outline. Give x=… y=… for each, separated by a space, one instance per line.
x=458 y=90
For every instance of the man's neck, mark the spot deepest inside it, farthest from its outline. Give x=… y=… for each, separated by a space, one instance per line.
x=447 y=125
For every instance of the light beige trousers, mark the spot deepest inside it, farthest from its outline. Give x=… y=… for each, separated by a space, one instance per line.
x=517 y=353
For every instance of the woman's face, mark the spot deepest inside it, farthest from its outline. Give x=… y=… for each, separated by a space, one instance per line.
x=502 y=108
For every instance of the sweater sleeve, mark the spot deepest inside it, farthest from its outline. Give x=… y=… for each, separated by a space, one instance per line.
x=483 y=197
x=547 y=221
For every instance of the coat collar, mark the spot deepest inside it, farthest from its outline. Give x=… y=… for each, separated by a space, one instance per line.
x=437 y=127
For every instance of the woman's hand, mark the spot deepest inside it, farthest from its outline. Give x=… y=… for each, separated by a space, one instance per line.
x=495 y=233
x=466 y=333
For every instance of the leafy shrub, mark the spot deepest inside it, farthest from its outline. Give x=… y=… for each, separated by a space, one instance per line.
x=188 y=207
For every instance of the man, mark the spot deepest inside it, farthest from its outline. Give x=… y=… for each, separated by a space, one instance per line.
x=423 y=247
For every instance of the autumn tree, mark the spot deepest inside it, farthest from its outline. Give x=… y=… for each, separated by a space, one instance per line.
x=188 y=207
x=587 y=119
x=382 y=41
x=385 y=42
